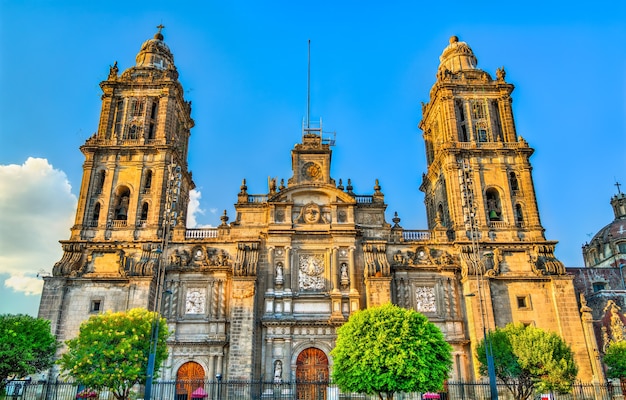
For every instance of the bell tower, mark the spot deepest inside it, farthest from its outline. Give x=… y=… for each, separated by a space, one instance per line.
x=478 y=166
x=141 y=143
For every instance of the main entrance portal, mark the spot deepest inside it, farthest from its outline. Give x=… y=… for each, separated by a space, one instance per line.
x=311 y=366
x=189 y=377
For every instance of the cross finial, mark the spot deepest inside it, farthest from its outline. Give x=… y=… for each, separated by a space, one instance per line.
x=160 y=27
x=618 y=185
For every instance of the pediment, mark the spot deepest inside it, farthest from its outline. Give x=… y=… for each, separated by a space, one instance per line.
x=305 y=194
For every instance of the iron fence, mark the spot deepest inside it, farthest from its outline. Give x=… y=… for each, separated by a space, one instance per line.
x=234 y=390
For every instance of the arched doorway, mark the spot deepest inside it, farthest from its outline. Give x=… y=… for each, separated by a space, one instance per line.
x=189 y=377
x=311 y=374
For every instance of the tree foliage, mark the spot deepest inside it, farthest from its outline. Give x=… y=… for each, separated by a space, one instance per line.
x=26 y=346
x=389 y=349
x=111 y=350
x=615 y=360
x=529 y=359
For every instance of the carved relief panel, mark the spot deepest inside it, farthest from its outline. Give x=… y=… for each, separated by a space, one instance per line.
x=311 y=272
x=195 y=301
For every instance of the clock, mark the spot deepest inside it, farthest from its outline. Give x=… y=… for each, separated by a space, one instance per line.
x=311 y=170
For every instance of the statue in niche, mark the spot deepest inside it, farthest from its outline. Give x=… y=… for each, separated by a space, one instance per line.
x=278 y=371
x=279 y=274
x=345 y=280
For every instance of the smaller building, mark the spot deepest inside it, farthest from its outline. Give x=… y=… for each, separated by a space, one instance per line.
x=601 y=284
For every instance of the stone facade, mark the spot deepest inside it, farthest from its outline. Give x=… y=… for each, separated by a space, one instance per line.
x=261 y=297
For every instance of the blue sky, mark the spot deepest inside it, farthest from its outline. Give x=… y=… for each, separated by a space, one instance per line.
x=243 y=65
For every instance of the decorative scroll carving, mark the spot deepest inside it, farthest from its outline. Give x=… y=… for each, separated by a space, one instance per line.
x=180 y=258
x=425 y=300
x=147 y=262
x=376 y=263
x=423 y=256
x=71 y=262
x=311 y=272
x=544 y=262
x=247 y=259
x=488 y=265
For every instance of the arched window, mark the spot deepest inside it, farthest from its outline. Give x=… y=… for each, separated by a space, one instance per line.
x=519 y=215
x=100 y=181
x=121 y=204
x=513 y=181
x=147 y=182
x=95 y=216
x=494 y=210
x=144 y=212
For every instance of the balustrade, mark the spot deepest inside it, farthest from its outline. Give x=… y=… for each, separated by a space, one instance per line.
x=201 y=233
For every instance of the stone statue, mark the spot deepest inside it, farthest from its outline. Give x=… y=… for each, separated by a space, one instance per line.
x=278 y=371
x=500 y=74
x=113 y=70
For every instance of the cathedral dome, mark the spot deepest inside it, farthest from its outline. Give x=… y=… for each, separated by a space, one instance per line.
x=458 y=56
x=608 y=246
x=155 y=53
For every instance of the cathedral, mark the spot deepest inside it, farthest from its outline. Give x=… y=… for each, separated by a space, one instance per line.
x=260 y=297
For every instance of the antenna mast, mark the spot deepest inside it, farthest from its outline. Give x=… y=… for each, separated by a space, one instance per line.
x=308 y=88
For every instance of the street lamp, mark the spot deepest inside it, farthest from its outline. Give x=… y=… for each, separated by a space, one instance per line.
x=174 y=181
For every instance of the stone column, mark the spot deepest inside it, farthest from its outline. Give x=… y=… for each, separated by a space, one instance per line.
x=268 y=373
x=354 y=293
x=334 y=269
x=288 y=279
x=352 y=269
x=211 y=373
x=242 y=329
x=270 y=270
x=287 y=271
x=335 y=294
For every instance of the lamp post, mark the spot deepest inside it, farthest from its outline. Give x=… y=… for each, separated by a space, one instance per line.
x=491 y=368
x=469 y=216
x=170 y=213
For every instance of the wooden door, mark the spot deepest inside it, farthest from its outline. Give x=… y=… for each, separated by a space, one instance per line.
x=189 y=377
x=311 y=374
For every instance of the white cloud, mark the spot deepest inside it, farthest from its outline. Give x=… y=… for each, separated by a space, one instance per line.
x=37 y=209
x=194 y=211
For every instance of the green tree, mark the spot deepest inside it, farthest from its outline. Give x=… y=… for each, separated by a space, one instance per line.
x=26 y=346
x=111 y=350
x=529 y=359
x=615 y=360
x=388 y=349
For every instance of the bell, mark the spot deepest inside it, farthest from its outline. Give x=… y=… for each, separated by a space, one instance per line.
x=493 y=214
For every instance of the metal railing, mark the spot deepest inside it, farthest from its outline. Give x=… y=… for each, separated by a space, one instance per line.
x=257 y=390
